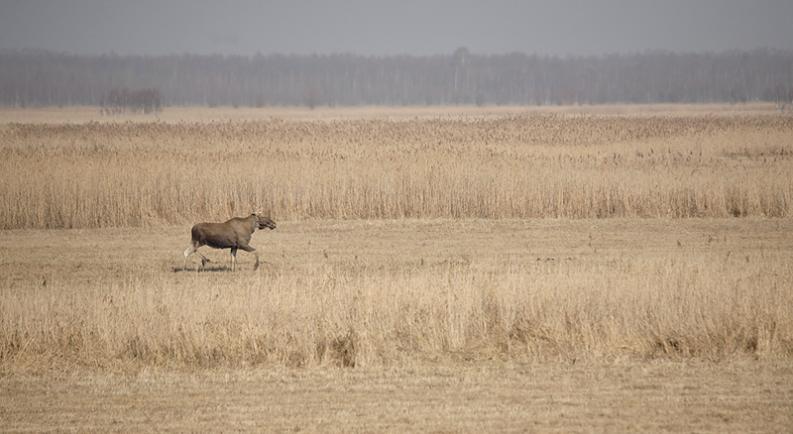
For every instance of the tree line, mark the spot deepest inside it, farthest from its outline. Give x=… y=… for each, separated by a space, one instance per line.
x=120 y=100
x=35 y=78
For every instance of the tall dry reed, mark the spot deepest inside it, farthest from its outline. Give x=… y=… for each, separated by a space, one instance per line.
x=537 y=165
x=703 y=306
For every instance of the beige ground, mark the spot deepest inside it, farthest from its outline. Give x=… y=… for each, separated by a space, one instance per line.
x=77 y=254
x=467 y=387
x=630 y=323
x=742 y=397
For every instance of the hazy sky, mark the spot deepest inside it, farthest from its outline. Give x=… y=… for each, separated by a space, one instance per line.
x=394 y=27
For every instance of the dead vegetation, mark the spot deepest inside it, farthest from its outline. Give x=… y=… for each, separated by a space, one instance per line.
x=549 y=269
x=362 y=294
x=502 y=397
x=533 y=164
x=463 y=288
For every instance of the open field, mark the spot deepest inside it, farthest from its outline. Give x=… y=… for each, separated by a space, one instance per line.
x=532 y=164
x=173 y=115
x=616 y=324
x=614 y=268
x=383 y=293
x=687 y=397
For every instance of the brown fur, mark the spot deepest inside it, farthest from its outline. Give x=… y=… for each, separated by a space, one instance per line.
x=232 y=234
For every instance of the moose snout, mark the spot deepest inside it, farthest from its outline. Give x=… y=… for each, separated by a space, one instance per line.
x=271 y=226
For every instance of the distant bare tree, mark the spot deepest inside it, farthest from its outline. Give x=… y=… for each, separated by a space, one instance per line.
x=310 y=97
x=120 y=100
x=783 y=96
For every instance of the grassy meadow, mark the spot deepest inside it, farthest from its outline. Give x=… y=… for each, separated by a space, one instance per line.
x=394 y=293
x=644 y=252
x=517 y=165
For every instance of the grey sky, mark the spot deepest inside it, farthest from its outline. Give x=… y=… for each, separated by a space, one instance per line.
x=394 y=27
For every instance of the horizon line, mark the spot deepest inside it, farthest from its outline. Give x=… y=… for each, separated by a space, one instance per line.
x=647 y=51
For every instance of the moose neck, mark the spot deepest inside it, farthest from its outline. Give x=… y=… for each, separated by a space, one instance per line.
x=253 y=222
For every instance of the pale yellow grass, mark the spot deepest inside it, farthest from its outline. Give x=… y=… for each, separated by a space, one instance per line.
x=525 y=165
x=454 y=325
x=83 y=114
x=492 y=397
x=368 y=294
x=415 y=280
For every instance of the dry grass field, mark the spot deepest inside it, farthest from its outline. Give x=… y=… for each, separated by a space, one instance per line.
x=565 y=269
x=531 y=164
x=620 y=324
x=647 y=397
x=384 y=293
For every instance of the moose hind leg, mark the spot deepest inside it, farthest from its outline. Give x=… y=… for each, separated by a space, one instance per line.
x=233 y=258
x=187 y=252
x=193 y=248
x=204 y=259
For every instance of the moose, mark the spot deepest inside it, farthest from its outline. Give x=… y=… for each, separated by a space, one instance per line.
x=233 y=234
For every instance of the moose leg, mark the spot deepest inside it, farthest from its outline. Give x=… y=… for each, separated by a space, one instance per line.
x=233 y=258
x=189 y=251
x=250 y=249
x=204 y=260
x=194 y=249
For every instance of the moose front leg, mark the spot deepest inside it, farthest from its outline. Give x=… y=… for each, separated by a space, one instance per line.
x=250 y=249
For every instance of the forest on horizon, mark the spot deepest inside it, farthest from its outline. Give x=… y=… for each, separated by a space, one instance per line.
x=43 y=78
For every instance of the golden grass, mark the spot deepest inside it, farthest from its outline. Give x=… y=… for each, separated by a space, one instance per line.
x=84 y=114
x=398 y=293
x=490 y=397
x=489 y=164
x=398 y=253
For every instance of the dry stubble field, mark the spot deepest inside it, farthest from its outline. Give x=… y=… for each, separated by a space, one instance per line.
x=607 y=268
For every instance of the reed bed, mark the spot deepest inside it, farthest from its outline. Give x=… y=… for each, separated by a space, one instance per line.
x=532 y=165
x=667 y=306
